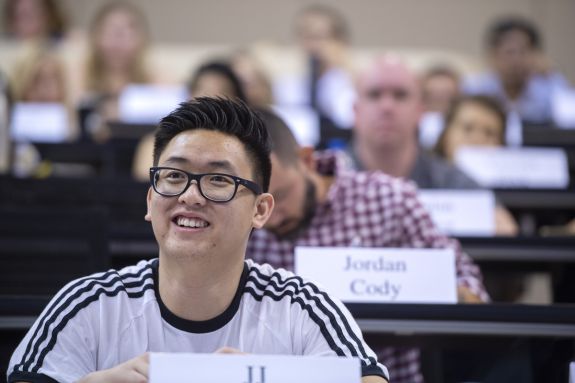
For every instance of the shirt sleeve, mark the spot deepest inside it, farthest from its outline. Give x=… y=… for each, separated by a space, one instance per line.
x=420 y=231
x=59 y=347
x=329 y=329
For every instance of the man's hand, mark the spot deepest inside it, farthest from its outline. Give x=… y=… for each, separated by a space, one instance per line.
x=229 y=350
x=133 y=371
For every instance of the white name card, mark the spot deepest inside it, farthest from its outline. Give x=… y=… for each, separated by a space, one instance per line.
x=147 y=104
x=461 y=212
x=515 y=167
x=39 y=122
x=377 y=275
x=232 y=368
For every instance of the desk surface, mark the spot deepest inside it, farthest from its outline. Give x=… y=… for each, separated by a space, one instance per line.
x=398 y=319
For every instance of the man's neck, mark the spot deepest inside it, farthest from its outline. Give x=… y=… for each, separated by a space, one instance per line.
x=395 y=161
x=191 y=290
x=322 y=184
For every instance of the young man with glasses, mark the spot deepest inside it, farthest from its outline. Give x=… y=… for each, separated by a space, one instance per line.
x=209 y=190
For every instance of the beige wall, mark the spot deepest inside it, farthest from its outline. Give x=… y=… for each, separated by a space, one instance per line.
x=445 y=24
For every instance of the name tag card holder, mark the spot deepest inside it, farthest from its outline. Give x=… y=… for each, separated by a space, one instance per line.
x=250 y=368
x=381 y=275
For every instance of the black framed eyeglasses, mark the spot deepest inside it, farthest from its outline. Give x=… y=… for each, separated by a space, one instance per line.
x=216 y=187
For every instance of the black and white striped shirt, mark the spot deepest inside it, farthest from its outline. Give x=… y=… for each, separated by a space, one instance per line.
x=97 y=322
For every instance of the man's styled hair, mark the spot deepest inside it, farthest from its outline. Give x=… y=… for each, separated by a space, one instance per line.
x=283 y=142
x=503 y=26
x=232 y=117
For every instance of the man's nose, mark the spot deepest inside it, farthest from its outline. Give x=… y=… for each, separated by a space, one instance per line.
x=192 y=195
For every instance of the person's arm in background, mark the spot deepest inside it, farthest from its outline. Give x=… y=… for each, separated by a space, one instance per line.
x=421 y=232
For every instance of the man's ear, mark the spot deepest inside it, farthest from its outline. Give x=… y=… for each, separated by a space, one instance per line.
x=306 y=156
x=148 y=216
x=262 y=210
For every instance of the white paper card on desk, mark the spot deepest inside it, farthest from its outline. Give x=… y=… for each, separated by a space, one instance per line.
x=303 y=121
x=147 y=104
x=381 y=275
x=250 y=368
x=461 y=212
x=515 y=167
x=39 y=122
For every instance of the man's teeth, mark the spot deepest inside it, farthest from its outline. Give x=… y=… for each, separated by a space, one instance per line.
x=191 y=222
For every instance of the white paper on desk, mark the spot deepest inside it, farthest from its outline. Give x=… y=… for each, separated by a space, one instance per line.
x=461 y=212
x=381 y=275
x=515 y=167
x=303 y=121
x=147 y=104
x=231 y=368
x=572 y=372
x=39 y=122
x=563 y=108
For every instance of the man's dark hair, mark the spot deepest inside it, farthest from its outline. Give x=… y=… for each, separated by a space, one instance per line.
x=501 y=27
x=283 y=142
x=232 y=117
x=219 y=68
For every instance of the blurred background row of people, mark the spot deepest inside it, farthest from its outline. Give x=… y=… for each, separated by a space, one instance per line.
x=64 y=86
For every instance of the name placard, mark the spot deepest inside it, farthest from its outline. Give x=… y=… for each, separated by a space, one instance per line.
x=232 y=368
x=378 y=275
x=147 y=104
x=461 y=212
x=515 y=167
x=39 y=122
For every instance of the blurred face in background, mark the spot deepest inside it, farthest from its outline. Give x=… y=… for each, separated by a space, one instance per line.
x=47 y=84
x=388 y=105
x=212 y=84
x=29 y=19
x=439 y=91
x=294 y=197
x=473 y=125
x=512 y=58
x=120 y=38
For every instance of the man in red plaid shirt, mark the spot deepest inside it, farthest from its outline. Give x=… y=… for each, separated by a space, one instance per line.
x=319 y=201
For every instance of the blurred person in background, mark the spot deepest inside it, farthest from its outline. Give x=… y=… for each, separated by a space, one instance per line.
x=388 y=111
x=255 y=82
x=472 y=121
x=326 y=86
x=34 y=20
x=39 y=77
x=118 y=45
x=5 y=147
x=211 y=79
x=519 y=76
x=440 y=86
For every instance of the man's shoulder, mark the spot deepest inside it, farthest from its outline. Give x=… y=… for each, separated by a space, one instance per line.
x=133 y=281
x=436 y=173
x=277 y=283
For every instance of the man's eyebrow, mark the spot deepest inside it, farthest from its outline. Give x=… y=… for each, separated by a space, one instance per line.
x=223 y=165
x=176 y=160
